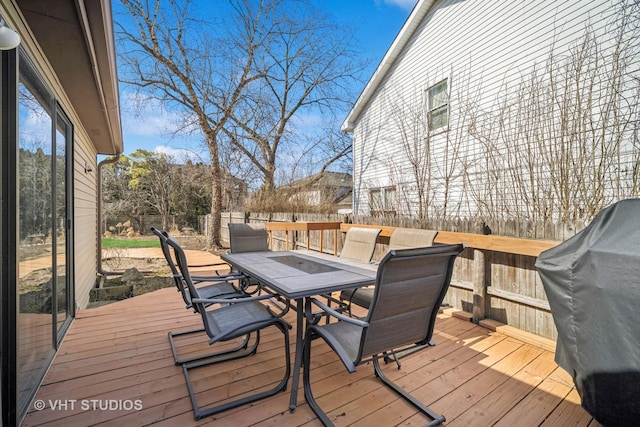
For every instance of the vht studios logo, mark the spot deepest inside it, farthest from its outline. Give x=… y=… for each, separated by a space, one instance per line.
x=88 y=405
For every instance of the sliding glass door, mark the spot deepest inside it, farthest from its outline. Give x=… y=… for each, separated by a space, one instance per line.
x=44 y=231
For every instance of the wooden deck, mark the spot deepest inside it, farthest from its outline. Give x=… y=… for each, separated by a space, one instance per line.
x=118 y=356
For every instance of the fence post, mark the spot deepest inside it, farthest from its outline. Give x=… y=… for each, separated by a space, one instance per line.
x=479 y=286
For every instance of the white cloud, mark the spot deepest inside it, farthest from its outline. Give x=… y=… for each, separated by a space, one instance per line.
x=404 y=4
x=148 y=117
x=181 y=155
x=141 y=118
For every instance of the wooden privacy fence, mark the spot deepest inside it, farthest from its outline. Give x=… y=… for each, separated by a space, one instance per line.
x=494 y=278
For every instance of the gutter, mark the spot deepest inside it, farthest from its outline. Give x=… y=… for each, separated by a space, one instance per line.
x=109 y=106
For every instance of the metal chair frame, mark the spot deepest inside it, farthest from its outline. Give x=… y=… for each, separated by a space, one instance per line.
x=236 y=317
x=214 y=287
x=410 y=286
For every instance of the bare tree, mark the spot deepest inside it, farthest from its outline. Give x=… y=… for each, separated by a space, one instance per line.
x=308 y=66
x=244 y=80
x=409 y=115
x=177 y=60
x=434 y=161
x=121 y=201
x=562 y=141
x=152 y=174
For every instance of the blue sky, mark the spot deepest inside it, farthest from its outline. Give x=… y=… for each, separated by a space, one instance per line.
x=377 y=22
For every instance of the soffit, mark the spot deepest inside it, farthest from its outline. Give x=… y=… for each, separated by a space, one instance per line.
x=77 y=38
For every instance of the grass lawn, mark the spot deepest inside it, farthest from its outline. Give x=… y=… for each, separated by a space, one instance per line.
x=130 y=243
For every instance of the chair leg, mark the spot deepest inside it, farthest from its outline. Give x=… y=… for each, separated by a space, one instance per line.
x=437 y=418
x=178 y=361
x=306 y=380
x=395 y=357
x=200 y=413
x=225 y=355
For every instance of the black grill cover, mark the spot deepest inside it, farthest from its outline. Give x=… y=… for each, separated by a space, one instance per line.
x=592 y=281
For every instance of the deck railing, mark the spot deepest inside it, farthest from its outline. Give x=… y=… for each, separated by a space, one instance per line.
x=480 y=283
x=307 y=227
x=494 y=278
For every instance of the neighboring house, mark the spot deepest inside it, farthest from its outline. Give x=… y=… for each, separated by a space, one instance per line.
x=502 y=110
x=59 y=111
x=325 y=189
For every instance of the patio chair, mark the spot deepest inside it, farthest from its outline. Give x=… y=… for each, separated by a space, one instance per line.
x=248 y=237
x=409 y=288
x=360 y=244
x=401 y=238
x=211 y=287
x=215 y=275
x=234 y=318
x=215 y=271
x=409 y=238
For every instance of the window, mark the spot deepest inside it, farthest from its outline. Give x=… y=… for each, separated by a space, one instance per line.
x=438 y=106
x=382 y=201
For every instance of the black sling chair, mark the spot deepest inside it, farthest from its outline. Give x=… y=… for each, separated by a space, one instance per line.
x=231 y=318
x=209 y=287
x=410 y=286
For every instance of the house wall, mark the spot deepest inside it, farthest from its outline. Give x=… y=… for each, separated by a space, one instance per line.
x=84 y=183
x=86 y=219
x=485 y=49
x=59 y=109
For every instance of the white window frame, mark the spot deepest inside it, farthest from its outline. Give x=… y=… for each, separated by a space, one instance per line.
x=438 y=103
x=383 y=201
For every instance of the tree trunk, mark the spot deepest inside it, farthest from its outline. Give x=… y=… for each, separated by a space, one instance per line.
x=269 y=185
x=213 y=235
x=213 y=232
x=165 y=221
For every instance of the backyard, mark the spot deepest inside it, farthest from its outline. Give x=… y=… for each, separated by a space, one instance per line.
x=121 y=255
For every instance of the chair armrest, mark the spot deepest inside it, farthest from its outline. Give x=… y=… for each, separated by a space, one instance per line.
x=218 y=278
x=332 y=312
x=207 y=265
x=238 y=300
x=232 y=300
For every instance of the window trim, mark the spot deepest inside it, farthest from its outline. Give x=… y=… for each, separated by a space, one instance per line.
x=439 y=108
x=382 y=199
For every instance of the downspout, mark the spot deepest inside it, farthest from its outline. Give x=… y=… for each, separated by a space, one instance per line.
x=106 y=161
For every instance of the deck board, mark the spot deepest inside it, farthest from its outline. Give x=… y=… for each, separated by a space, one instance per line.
x=121 y=352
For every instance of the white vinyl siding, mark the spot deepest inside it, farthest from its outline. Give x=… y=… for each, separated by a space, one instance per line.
x=484 y=48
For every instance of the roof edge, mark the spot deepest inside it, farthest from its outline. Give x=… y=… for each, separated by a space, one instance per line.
x=406 y=32
x=101 y=46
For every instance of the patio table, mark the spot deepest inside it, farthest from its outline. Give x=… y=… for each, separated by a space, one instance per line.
x=297 y=275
